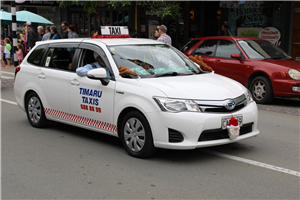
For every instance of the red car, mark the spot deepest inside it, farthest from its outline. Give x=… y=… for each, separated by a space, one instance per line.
x=266 y=70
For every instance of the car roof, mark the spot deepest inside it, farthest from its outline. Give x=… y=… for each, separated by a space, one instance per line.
x=227 y=37
x=106 y=41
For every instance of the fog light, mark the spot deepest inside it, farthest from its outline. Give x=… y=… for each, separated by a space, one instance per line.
x=296 y=88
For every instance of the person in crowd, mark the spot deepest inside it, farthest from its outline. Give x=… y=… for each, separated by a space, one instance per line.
x=7 y=52
x=19 y=53
x=32 y=36
x=156 y=34
x=1 y=53
x=47 y=33
x=72 y=33
x=40 y=31
x=24 y=39
x=54 y=33
x=163 y=37
x=225 y=30
x=132 y=32
x=64 y=27
x=82 y=71
x=94 y=33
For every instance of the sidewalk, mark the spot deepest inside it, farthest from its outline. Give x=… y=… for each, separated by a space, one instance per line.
x=7 y=76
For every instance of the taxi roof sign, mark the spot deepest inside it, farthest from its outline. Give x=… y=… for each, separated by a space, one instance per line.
x=114 y=30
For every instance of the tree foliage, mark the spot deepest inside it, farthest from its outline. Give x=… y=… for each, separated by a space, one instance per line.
x=159 y=8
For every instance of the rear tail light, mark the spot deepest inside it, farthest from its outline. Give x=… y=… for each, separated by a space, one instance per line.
x=18 y=68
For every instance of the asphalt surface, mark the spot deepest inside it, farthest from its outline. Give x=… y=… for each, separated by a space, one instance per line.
x=65 y=162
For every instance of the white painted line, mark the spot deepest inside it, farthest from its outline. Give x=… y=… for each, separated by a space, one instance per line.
x=7 y=101
x=11 y=73
x=7 y=77
x=252 y=162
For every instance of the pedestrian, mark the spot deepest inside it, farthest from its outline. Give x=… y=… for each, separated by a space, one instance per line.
x=225 y=29
x=132 y=32
x=1 y=53
x=156 y=34
x=64 y=27
x=24 y=39
x=94 y=33
x=72 y=33
x=19 y=52
x=47 y=33
x=32 y=36
x=54 y=33
x=163 y=37
x=40 y=30
x=7 y=51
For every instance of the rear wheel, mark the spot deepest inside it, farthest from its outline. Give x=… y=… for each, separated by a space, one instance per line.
x=35 y=111
x=136 y=135
x=261 y=90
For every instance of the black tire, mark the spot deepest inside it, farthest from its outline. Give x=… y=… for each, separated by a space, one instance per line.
x=261 y=90
x=136 y=136
x=35 y=111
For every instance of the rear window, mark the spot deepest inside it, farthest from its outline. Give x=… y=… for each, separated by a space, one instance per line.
x=37 y=54
x=189 y=45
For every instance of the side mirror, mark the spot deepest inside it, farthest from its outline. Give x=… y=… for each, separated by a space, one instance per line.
x=98 y=74
x=236 y=56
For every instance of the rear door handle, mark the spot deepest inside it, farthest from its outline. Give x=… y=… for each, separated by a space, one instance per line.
x=42 y=76
x=75 y=83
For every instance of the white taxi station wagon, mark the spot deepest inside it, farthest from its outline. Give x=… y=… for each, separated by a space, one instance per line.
x=171 y=104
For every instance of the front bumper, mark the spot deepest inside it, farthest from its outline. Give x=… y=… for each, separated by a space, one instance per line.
x=282 y=87
x=191 y=125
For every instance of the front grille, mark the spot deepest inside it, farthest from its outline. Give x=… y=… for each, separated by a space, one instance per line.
x=217 y=134
x=223 y=109
x=175 y=136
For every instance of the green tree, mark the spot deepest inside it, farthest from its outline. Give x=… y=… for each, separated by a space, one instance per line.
x=159 y=8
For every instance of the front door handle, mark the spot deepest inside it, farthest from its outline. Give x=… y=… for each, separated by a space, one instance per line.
x=217 y=61
x=75 y=83
x=42 y=76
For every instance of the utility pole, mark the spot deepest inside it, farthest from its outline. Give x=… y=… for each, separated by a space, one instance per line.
x=14 y=29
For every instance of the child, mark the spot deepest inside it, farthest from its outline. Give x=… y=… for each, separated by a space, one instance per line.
x=1 y=53
x=19 y=52
x=7 y=52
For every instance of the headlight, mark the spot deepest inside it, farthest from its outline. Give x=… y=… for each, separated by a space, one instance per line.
x=176 y=105
x=294 y=74
x=249 y=96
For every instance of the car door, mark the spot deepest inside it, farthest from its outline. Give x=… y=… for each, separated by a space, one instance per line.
x=54 y=78
x=227 y=66
x=91 y=102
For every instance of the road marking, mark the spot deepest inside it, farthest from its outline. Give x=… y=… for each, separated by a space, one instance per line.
x=11 y=73
x=7 y=77
x=7 y=101
x=252 y=162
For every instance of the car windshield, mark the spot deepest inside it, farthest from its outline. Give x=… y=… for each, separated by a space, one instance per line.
x=153 y=60
x=259 y=49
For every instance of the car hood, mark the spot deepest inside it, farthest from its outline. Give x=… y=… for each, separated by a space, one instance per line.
x=293 y=64
x=202 y=87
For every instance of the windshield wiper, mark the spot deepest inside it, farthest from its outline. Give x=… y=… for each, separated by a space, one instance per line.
x=171 y=74
x=275 y=58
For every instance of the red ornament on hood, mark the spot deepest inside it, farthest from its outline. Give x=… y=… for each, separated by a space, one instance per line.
x=233 y=121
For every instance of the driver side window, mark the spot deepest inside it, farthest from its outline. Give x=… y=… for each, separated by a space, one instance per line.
x=206 y=48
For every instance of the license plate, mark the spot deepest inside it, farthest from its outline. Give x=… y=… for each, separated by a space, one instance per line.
x=225 y=121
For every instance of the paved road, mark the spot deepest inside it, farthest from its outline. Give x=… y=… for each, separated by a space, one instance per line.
x=64 y=162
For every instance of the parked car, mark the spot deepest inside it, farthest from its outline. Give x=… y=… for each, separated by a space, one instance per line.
x=171 y=104
x=266 y=70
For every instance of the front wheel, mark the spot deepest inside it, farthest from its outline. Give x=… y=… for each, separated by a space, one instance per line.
x=35 y=111
x=136 y=135
x=261 y=90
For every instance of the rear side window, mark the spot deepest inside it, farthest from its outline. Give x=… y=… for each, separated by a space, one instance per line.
x=206 y=48
x=60 y=58
x=37 y=54
x=226 y=48
x=189 y=45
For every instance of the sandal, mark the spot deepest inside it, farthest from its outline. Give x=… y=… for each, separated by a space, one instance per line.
x=7 y=67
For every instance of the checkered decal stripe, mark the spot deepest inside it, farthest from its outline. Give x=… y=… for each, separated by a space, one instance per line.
x=82 y=120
